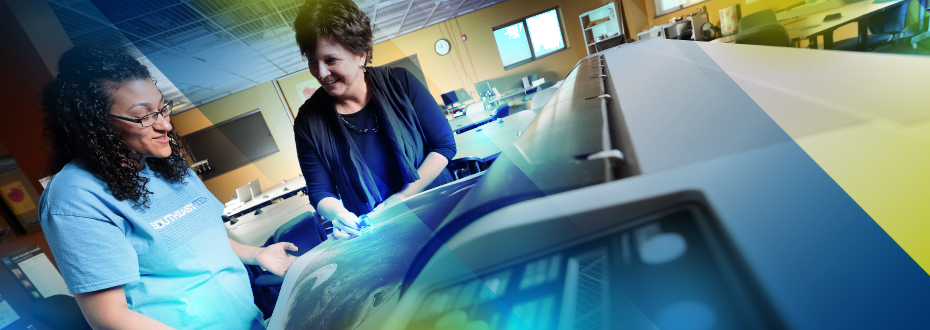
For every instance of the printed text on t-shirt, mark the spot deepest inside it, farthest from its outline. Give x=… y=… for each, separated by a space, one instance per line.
x=177 y=215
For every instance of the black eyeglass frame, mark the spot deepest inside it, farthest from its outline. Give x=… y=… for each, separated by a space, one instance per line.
x=165 y=111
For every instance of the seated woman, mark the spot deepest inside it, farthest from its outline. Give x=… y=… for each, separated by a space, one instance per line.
x=137 y=237
x=371 y=136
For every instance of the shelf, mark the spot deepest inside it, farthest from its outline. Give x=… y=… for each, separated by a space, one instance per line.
x=605 y=39
x=593 y=26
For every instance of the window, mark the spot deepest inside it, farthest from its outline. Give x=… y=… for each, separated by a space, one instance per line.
x=667 y=6
x=529 y=38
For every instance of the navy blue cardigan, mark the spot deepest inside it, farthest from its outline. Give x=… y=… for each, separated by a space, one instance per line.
x=363 y=169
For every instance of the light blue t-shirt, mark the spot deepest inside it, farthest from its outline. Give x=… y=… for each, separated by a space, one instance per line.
x=173 y=258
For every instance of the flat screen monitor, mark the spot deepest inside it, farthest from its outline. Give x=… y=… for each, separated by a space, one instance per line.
x=244 y=193
x=450 y=98
x=255 y=188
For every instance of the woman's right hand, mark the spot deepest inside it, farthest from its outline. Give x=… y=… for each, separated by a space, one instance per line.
x=346 y=225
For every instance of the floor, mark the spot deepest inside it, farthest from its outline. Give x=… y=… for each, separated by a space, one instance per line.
x=923 y=48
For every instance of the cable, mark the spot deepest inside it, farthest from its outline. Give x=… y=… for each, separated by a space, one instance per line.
x=459 y=54
x=451 y=58
x=468 y=53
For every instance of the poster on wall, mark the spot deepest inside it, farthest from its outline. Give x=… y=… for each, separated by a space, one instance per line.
x=307 y=88
x=15 y=196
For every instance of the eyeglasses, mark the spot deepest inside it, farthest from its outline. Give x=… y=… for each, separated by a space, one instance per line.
x=152 y=118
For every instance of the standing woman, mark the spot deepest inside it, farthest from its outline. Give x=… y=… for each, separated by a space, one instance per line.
x=371 y=136
x=137 y=236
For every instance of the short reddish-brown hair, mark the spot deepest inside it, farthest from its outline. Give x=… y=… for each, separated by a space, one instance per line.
x=337 y=19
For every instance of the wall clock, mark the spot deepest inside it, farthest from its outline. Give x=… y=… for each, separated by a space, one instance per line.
x=443 y=46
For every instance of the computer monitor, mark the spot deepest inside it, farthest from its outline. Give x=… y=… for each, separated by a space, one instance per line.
x=244 y=193
x=483 y=88
x=450 y=98
x=255 y=188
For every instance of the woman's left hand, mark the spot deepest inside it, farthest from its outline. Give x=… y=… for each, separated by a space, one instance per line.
x=275 y=258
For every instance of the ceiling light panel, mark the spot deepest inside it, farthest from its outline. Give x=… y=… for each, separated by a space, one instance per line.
x=468 y=6
x=201 y=44
x=215 y=7
x=103 y=36
x=221 y=50
x=442 y=13
x=185 y=34
x=159 y=21
x=148 y=47
x=417 y=15
x=244 y=14
x=120 y=10
x=259 y=25
x=488 y=3
x=74 y=22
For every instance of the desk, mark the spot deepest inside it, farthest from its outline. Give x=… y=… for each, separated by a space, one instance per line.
x=498 y=98
x=475 y=115
x=813 y=26
x=492 y=137
x=287 y=189
x=254 y=230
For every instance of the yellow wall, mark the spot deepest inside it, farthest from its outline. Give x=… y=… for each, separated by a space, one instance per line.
x=477 y=58
x=270 y=170
x=635 y=15
x=714 y=7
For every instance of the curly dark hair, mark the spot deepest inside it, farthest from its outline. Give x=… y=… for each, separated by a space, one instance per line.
x=78 y=126
x=338 y=19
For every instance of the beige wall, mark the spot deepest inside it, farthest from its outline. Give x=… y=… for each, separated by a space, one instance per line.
x=270 y=170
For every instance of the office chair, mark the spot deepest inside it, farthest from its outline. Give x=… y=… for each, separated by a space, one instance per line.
x=762 y=28
x=306 y=232
x=539 y=99
x=59 y=312
x=884 y=26
x=465 y=166
x=758 y=18
x=502 y=110
x=540 y=88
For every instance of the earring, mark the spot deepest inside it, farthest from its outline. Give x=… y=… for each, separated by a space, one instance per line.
x=363 y=69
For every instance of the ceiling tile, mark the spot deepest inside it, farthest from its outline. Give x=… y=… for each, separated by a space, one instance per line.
x=160 y=21
x=185 y=33
x=121 y=10
x=204 y=43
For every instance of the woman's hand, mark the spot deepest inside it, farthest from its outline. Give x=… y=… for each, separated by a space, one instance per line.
x=346 y=225
x=275 y=258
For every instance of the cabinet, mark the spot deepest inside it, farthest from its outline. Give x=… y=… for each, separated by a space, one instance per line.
x=601 y=28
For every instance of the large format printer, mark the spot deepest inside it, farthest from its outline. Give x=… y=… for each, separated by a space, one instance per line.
x=622 y=206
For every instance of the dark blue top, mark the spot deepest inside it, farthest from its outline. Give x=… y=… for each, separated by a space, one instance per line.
x=376 y=148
